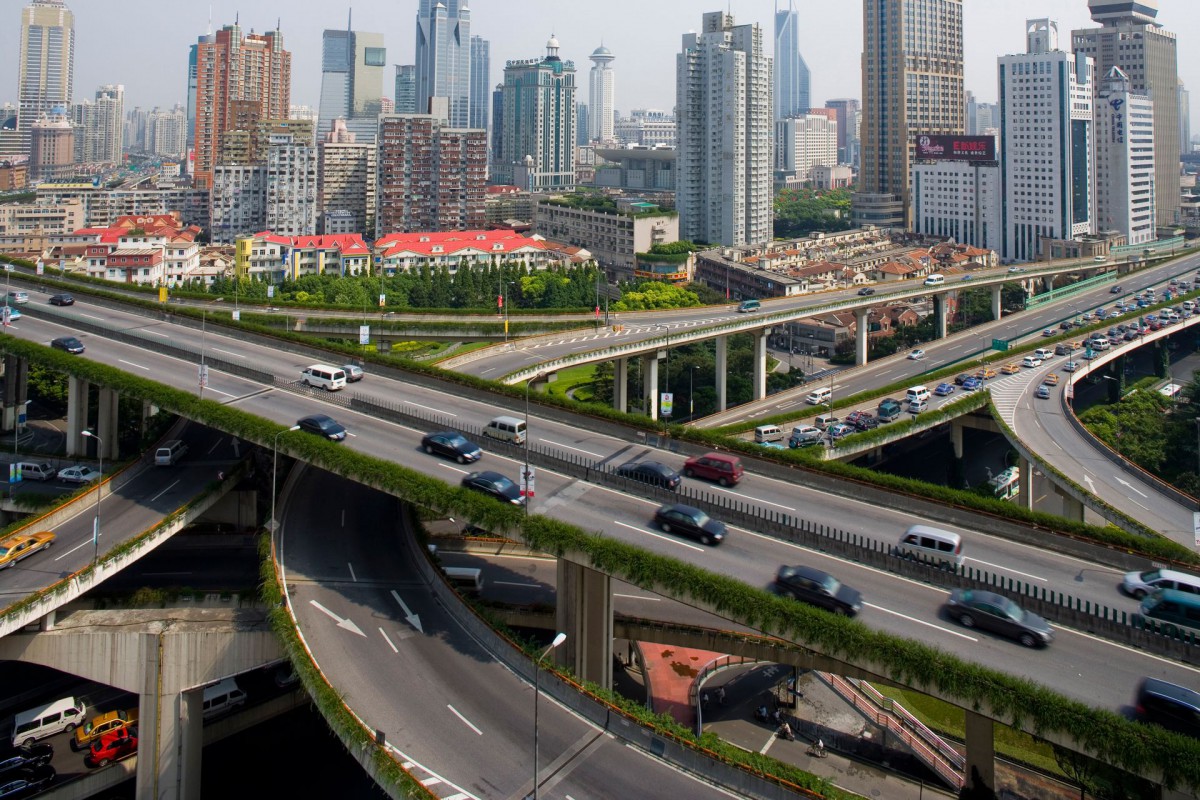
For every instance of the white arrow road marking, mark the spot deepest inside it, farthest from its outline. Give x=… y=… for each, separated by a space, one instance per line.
x=1129 y=485
x=346 y=624
x=412 y=618
x=1091 y=486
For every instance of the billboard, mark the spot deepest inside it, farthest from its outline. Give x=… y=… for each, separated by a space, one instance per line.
x=956 y=148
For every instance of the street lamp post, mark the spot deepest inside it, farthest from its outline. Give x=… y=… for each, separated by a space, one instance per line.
x=559 y=638
x=274 y=472
x=525 y=468
x=100 y=480
x=691 y=392
x=20 y=409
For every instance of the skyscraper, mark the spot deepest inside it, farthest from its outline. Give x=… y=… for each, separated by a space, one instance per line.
x=406 y=89
x=847 y=110
x=240 y=80
x=1130 y=38
x=791 y=72
x=99 y=128
x=444 y=57
x=723 y=107
x=538 y=138
x=1124 y=160
x=601 y=95
x=481 y=82
x=352 y=65
x=346 y=182
x=1046 y=161
x=47 y=63
x=912 y=75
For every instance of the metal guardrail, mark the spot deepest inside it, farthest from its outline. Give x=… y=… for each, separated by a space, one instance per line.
x=719 y=664
x=1066 y=291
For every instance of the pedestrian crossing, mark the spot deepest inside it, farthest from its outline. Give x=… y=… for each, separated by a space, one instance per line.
x=432 y=781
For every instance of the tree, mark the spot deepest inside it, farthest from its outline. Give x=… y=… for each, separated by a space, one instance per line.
x=651 y=295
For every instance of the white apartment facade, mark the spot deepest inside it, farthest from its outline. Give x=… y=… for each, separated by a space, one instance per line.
x=1125 y=165
x=1047 y=148
x=804 y=142
x=613 y=238
x=239 y=201
x=292 y=198
x=960 y=200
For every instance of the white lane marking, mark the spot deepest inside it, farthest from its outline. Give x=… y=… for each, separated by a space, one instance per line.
x=427 y=782
x=164 y=491
x=1006 y=569
x=568 y=447
x=131 y=364
x=158 y=333
x=465 y=721
x=427 y=408
x=218 y=391
x=92 y=316
x=921 y=621
x=227 y=352
x=455 y=469
x=353 y=577
x=389 y=641
x=755 y=499
x=659 y=536
x=520 y=585
x=638 y=597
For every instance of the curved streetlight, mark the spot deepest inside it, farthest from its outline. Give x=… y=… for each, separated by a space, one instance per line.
x=275 y=471
x=96 y=523
x=559 y=638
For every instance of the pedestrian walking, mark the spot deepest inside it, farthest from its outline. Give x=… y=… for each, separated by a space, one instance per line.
x=704 y=700
x=721 y=695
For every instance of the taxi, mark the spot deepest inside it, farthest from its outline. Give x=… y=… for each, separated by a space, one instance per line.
x=1051 y=379
x=101 y=724
x=985 y=373
x=1011 y=369
x=16 y=546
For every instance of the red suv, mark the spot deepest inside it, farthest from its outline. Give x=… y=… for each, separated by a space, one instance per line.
x=725 y=470
x=112 y=747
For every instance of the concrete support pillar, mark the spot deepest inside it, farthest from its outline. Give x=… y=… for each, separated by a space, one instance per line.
x=996 y=301
x=106 y=423
x=191 y=748
x=77 y=415
x=860 y=335
x=16 y=389
x=1072 y=508
x=1025 y=492
x=939 y=312
x=981 y=756
x=1048 y=283
x=584 y=612
x=621 y=384
x=956 y=437
x=722 y=366
x=760 y=364
x=650 y=384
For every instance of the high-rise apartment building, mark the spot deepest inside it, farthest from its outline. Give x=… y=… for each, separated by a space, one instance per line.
x=444 y=57
x=46 y=65
x=496 y=150
x=1125 y=190
x=481 y=82
x=99 y=126
x=406 y=89
x=723 y=108
x=240 y=79
x=346 y=183
x=51 y=148
x=431 y=175
x=292 y=197
x=1047 y=144
x=166 y=132
x=238 y=201
x=792 y=96
x=806 y=141
x=847 y=111
x=601 y=95
x=538 y=136
x=982 y=118
x=912 y=74
x=1185 y=119
x=1130 y=38
x=352 y=65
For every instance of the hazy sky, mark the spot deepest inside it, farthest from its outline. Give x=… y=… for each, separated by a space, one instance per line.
x=144 y=46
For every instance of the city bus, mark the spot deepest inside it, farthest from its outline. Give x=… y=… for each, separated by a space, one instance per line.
x=1007 y=484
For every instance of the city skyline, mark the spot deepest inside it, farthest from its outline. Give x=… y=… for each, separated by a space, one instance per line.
x=830 y=41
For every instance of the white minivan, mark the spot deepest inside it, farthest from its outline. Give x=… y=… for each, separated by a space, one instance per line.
x=819 y=397
x=934 y=546
x=769 y=433
x=936 y=279
x=66 y=714
x=916 y=393
x=224 y=695
x=323 y=376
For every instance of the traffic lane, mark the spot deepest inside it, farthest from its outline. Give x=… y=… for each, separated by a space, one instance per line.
x=413 y=673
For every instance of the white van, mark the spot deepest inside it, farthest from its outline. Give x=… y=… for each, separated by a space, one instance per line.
x=37 y=723
x=819 y=397
x=1101 y=343
x=468 y=580
x=916 y=393
x=506 y=429
x=768 y=433
x=931 y=545
x=936 y=279
x=1138 y=584
x=169 y=453
x=224 y=695
x=1043 y=354
x=324 y=377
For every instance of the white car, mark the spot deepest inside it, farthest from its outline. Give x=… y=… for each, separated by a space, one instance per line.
x=916 y=355
x=1031 y=361
x=78 y=474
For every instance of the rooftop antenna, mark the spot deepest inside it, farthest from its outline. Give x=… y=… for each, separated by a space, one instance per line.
x=349 y=20
x=209 y=32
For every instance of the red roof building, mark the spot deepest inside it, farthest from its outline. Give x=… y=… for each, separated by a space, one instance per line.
x=405 y=252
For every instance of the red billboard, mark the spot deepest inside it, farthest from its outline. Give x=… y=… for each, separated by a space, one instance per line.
x=956 y=148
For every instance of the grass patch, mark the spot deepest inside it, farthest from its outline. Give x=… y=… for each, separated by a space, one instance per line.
x=951 y=721
x=573 y=378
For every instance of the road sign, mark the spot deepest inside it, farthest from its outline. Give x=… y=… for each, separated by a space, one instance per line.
x=527 y=481
x=203 y=375
x=364 y=334
x=1000 y=344
x=1196 y=527
x=270 y=292
x=667 y=403
x=382 y=300
x=237 y=315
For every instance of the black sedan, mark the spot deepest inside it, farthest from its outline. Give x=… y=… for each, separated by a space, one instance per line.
x=70 y=344
x=866 y=291
x=26 y=781
x=34 y=754
x=450 y=444
x=812 y=586
x=654 y=473
x=62 y=300
x=494 y=485
x=689 y=521
x=323 y=425
x=993 y=612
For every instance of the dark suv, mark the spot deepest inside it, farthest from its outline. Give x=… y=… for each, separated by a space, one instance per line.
x=862 y=420
x=812 y=586
x=1174 y=707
